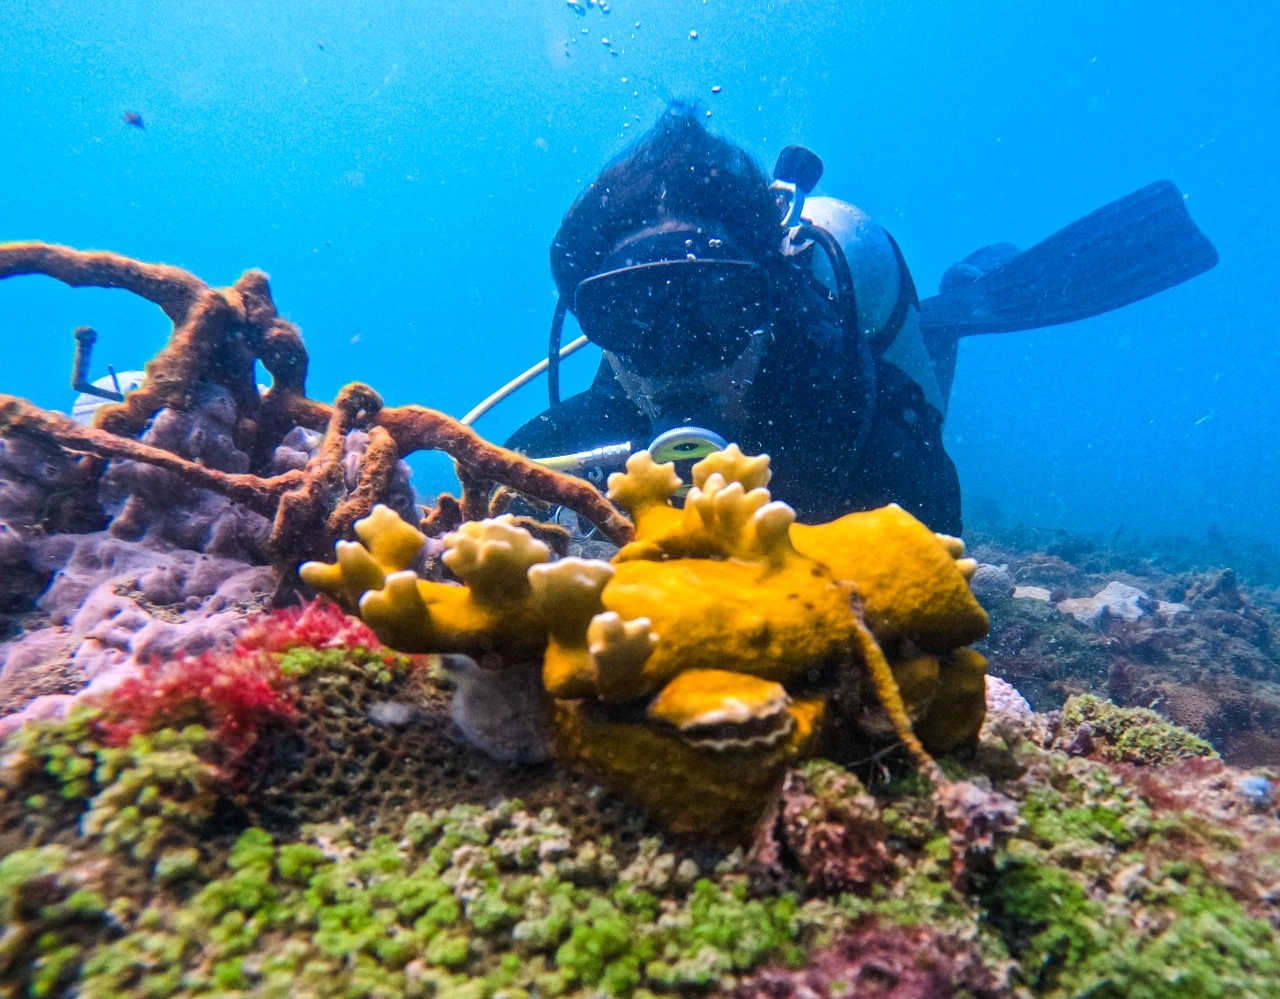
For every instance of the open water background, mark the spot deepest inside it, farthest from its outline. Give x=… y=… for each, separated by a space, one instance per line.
x=400 y=167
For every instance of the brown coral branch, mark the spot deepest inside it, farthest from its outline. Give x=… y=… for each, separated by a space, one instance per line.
x=218 y=335
x=300 y=527
x=19 y=418
x=475 y=493
x=375 y=475
x=171 y=288
x=416 y=428
x=444 y=517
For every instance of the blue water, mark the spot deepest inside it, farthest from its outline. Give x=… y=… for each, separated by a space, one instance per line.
x=399 y=169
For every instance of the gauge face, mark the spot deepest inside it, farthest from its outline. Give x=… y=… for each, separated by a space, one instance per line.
x=579 y=527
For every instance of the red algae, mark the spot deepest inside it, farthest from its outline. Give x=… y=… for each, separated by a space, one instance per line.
x=238 y=693
x=318 y=624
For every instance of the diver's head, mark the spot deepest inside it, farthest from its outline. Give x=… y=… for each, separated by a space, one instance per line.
x=668 y=261
x=678 y=170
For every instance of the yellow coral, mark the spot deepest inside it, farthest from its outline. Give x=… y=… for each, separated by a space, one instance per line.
x=392 y=542
x=619 y=650
x=689 y=673
x=495 y=613
x=567 y=594
x=718 y=795
x=750 y=617
x=645 y=490
x=727 y=513
x=734 y=466
x=720 y=710
x=911 y=587
x=390 y=545
x=493 y=558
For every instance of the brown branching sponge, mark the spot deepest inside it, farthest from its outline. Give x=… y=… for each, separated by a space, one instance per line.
x=218 y=335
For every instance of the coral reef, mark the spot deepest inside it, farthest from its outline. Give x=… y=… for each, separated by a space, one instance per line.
x=1090 y=726
x=1193 y=644
x=140 y=870
x=199 y=797
x=134 y=538
x=882 y=962
x=708 y=651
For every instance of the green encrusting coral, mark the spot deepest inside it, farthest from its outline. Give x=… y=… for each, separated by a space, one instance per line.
x=1101 y=895
x=1133 y=735
x=466 y=903
x=145 y=875
x=140 y=798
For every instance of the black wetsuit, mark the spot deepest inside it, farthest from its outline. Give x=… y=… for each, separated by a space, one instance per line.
x=806 y=406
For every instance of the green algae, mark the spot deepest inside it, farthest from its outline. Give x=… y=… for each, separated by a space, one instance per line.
x=1083 y=899
x=140 y=798
x=485 y=901
x=379 y=665
x=1089 y=903
x=1132 y=735
x=46 y=918
x=1193 y=939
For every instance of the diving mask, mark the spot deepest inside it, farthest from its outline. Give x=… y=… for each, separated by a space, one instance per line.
x=674 y=298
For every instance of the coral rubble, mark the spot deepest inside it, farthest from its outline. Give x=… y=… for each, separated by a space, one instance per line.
x=1195 y=644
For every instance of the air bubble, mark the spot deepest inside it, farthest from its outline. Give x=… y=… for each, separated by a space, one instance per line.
x=693 y=35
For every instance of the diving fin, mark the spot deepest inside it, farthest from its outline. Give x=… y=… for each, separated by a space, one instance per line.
x=1125 y=251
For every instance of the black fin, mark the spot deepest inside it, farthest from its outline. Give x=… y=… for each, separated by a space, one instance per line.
x=1130 y=249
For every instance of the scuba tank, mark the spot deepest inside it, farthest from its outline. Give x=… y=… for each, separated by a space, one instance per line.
x=883 y=306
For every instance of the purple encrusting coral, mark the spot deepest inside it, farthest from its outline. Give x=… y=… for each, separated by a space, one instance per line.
x=175 y=571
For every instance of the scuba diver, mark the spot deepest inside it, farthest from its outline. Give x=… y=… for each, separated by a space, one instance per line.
x=733 y=307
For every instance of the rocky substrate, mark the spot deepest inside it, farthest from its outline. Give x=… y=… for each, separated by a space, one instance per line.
x=1199 y=645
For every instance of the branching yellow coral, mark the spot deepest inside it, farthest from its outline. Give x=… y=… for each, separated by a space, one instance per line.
x=495 y=613
x=493 y=558
x=727 y=514
x=389 y=545
x=692 y=671
x=567 y=594
x=733 y=466
x=619 y=650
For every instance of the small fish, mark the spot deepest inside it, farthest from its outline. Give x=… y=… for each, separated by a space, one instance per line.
x=134 y=119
